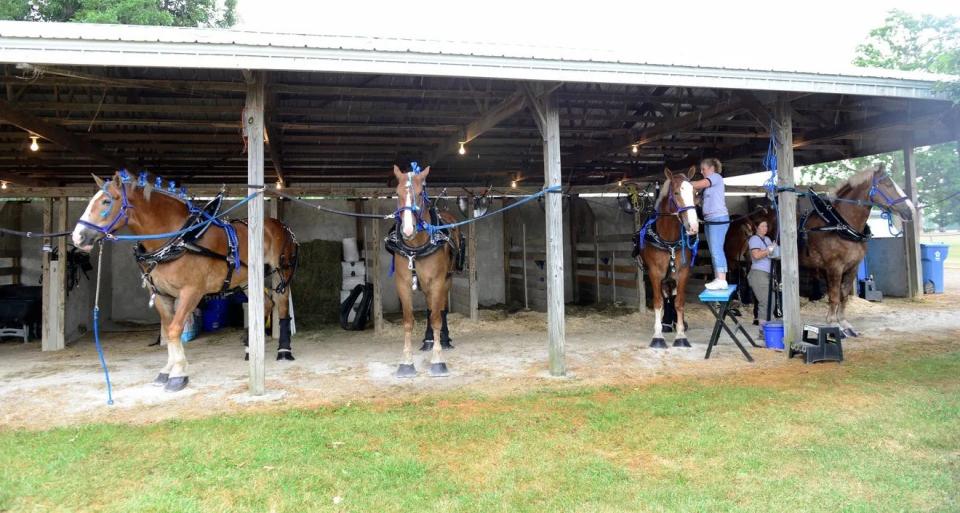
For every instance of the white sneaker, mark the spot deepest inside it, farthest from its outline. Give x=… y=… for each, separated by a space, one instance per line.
x=716 y=285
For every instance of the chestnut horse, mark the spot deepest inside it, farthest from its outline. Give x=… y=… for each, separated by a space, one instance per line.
x=423 y=259
x=666 y=251
x=835 y=253
x=190 y=273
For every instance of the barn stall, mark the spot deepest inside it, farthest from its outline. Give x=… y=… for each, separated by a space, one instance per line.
x=325 y=118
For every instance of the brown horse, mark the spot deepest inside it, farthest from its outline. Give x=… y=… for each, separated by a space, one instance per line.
x=665 y=254
x=423 y=259
x=835 y=254
x=186 y=275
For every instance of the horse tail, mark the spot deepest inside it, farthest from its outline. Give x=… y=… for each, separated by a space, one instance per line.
x=289 y=258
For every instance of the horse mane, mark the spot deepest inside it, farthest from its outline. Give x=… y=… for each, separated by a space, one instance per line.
x=859 y=178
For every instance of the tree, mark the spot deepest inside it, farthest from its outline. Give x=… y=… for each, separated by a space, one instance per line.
x=181 y=13
x=907 y=42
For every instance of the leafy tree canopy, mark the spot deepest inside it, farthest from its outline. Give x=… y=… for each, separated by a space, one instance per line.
x=181 y=13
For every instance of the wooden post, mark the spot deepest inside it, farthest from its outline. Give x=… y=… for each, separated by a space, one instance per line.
x=792 y=323
x=523 y=242
x=472 y=265
x=253 y=120
x=554 y=236
x=596 y=260
x=373 y=267
x=912 y=229
x=507 y=249
x=613 y=275
x=54 y=292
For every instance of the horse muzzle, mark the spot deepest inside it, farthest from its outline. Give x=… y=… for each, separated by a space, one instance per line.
x=84 y=237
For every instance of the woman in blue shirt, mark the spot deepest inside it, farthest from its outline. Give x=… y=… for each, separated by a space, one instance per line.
x=717 y=217
x=761 y=247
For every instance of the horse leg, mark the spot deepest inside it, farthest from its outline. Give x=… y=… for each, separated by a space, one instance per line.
x=834 y=277
x=188 y=300
x=845 y=292
x=445 y=341
x=406 y=368
x=657 y=341
x=428 y=333
x=282 y=299
x=164 y=306
x=437 y=298
x=679 y=302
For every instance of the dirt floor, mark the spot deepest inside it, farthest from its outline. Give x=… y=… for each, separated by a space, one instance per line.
x=502 y=353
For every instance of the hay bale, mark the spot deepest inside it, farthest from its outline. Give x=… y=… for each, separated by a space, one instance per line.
x=316 y=286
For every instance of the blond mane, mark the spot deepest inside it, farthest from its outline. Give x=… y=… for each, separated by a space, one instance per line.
x=858 y=179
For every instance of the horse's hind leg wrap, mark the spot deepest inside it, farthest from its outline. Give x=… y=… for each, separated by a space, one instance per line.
x=445 y=341
x=284 y=348
x=428 y=335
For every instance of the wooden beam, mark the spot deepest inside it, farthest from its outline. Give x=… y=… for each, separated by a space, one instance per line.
x=554 y=238
x=53 y=276
x=865 y=125
x=792 y=322
x=373 y=265
x=912 y=229
x=474 y=129
x=274 y=135
x=254 y=125
x=56 y=134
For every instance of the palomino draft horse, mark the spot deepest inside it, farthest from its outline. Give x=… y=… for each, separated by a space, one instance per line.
x=185 y=267
x=425 y=259
x=833 y=235
x=667 y=246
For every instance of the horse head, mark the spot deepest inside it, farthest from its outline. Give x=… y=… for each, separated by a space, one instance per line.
x=889 y=196
x=105 y=213
x=679 y=195
x=410 y=200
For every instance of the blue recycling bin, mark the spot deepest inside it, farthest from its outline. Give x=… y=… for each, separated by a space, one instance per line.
x=932 y=257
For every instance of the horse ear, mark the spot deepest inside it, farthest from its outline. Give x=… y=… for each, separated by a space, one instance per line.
x=667 y=173
x=692 y=171
x=424 y=173
x=397 y=173
x=97 y=180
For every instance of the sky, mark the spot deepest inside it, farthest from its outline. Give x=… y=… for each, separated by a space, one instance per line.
x=812 y=35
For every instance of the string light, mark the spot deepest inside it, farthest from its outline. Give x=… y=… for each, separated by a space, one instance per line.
x=33 y=143
x=462 y=150
x=634 y=149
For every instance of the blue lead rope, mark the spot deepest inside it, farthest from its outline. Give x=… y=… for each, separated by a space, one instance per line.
x=184 y=230
x=433 y=228
x=96 y=329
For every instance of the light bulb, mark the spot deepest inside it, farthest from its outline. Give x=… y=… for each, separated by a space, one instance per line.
x=3 y=185
x=33 y=143
x=619 y=183
x=279 y=184
x=634 y=149
x=462 y=150
x=513 y=184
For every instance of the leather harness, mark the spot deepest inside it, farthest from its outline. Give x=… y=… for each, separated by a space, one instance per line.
x=834 y=222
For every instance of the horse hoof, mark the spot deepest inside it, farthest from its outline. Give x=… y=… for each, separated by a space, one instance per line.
x=285 y=355
x=161 y=379
x=681 y=342
x=406 y=370
x=439 y=370
x=658 y=343
x=176 y=384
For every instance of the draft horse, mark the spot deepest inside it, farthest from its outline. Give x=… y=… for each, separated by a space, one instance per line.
x=666 y=246
x=188 y=266
x=424 y=258
x=834 y=233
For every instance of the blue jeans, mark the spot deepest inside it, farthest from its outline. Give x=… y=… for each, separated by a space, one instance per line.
x=716 y=234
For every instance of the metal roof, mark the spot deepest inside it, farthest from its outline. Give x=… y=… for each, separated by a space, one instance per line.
x=139 y=46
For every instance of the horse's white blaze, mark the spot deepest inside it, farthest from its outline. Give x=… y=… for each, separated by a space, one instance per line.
x=88 y=217
x=408 y=227
x=657 y=326
x=686 y=194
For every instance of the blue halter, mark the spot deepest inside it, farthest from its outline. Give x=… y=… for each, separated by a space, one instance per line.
x=414 y=208
x=121 y=214
x=887 y=206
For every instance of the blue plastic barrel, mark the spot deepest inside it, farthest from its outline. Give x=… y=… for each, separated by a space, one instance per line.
x=773 y=335
x=932 y=257
x=214 y=314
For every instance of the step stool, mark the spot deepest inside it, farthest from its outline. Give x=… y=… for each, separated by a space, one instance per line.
x=820 y=343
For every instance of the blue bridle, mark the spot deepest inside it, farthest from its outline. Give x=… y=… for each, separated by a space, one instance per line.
x=121 y=214
x=415 y=207
x=889 y=202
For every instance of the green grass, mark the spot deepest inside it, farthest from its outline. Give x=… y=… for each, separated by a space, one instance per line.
x=857 y=438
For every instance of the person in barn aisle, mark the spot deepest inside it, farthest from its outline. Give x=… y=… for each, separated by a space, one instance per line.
x=717 y=218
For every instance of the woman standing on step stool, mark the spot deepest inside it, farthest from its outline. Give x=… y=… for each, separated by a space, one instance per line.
x=717 y=218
